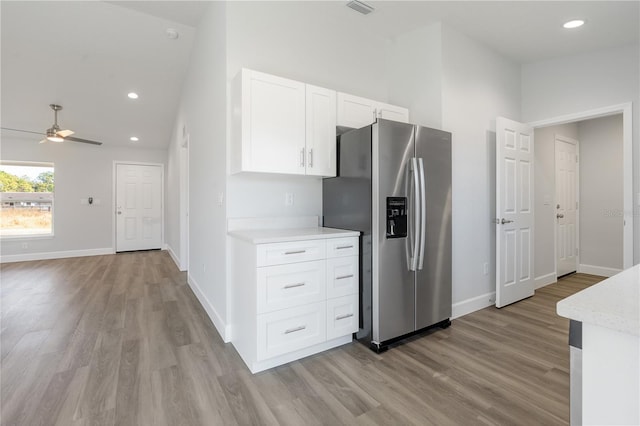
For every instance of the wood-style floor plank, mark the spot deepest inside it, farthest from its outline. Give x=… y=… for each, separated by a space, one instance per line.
x=122 y=340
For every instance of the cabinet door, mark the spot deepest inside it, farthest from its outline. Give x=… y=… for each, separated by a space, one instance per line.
x=273 y=123
x=321 y=131
x=355 y=112
x=342 y=316
x=392 y=112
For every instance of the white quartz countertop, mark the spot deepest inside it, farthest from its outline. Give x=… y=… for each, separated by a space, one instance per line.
x=613 y=303
x=265 y=236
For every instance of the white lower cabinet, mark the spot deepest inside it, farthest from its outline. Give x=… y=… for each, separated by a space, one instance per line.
x=293 y=299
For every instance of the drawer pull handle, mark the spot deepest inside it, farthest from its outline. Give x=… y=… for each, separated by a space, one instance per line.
x=293 y=285
x=295 y=252
x=340 y=317
x=344 y=277
x=343 y=247
x=293 y=330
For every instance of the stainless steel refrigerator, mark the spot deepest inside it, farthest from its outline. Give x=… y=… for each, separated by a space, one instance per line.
x=394 y=185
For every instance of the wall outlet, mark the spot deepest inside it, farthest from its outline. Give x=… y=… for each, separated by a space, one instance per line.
x=485 y=268
x=220 y=199
x=288 y=199
x=25 y=245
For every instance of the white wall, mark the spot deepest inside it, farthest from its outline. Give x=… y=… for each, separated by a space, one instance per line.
x=415 y=74
x=80 y=171
x=545 y=194
x=601 y=198
x=584 y=82
x=477 y=86
x=202 y=112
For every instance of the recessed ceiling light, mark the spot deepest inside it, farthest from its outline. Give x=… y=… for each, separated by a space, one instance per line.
x=132 y=95
x=574 y=23
x=134 y=139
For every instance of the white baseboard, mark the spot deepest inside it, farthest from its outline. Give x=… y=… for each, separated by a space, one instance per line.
x=174 y=257
x=54 y=255
x=544 y=280
x=223 y=329
x=473 y=304
x=598 y=270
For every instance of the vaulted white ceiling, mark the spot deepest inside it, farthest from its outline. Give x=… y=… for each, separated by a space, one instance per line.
x=87 y=55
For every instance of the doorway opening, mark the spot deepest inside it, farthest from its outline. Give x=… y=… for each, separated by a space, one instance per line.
x=581 y=211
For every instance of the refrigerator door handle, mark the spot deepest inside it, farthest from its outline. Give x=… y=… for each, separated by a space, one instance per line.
x=413 y=264
x=423 y=214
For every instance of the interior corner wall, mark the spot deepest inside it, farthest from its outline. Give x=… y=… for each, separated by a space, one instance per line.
x=303 y=42
x=202 y=111
x=545 y=195
x=81 y=171
x=585 y=82
x=173 y=205
x=601 y=195
x=478 y=85
x=415 y=74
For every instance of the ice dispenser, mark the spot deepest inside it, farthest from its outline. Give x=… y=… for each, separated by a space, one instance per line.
x=396 y=217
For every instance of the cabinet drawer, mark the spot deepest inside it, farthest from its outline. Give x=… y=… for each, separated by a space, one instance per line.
x=342 y=276
x=342 y=316
x=286 y=286
x=290 y=252
x=340 y=247
x=291 y=329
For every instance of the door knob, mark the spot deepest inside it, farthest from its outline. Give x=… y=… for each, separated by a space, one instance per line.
x=503 y=221
x=559 y=215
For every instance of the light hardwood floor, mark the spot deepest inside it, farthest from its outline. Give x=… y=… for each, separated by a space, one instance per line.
x=122 y=340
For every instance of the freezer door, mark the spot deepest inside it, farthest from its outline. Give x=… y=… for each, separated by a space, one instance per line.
x=393 y=281
x=433 y=281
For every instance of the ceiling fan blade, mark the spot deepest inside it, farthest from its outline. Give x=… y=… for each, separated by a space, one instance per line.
x=24 y=131
x=64 y=133
x=82 y=140
x=44 y=140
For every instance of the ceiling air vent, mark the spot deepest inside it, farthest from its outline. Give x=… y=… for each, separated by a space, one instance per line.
x=361 y=7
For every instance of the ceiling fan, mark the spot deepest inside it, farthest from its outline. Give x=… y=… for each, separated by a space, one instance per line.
x=54 y=134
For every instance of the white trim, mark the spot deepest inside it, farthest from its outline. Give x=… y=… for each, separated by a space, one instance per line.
x=175 y=259
x=114 y=183
x=598 y=270
x=626 y=109
x=473 y=304
x=557 y=137
x=55 y=255
x=223 y=329
x=545 y=280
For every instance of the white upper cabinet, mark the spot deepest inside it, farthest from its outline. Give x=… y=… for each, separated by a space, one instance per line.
x=270 y=120
x=356 y=112
x=282 y=126
x=321 y=131
x=393 y=112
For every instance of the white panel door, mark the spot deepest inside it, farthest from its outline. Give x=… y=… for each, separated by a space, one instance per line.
x=321 y=131
x=566 y=205
x=273 y=120
x=514 y=210
x=138 y=207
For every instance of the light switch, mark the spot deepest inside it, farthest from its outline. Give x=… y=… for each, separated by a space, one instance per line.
x=288 y=199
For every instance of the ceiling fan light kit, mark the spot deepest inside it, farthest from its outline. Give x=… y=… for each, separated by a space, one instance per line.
x=54 y=134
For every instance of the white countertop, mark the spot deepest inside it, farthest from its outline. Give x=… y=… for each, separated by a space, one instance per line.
x=613 y=303
x=265 y=236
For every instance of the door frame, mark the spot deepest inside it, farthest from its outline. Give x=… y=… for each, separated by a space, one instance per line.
x=184 y=201
x=626 y=109
x=114 y=183
x=558 y=137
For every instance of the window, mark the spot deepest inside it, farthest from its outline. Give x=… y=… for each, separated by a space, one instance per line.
x=26 y=193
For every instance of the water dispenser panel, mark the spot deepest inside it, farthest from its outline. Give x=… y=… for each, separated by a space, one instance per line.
x=396 y=217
